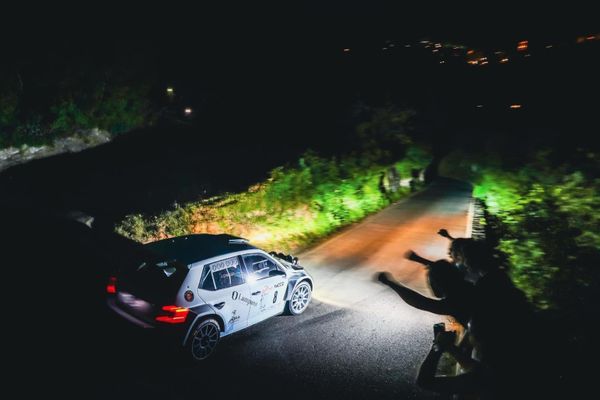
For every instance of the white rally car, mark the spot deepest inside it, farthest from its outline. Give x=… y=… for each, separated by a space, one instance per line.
x=204 y=287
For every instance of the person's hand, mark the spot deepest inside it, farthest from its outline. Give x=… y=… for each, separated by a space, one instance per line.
x=444 y=233
x=383 y=277
x=411 y=255
x=445 y=339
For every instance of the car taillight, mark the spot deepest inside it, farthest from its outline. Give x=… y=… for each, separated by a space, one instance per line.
x=111 y=286
x=173 y=315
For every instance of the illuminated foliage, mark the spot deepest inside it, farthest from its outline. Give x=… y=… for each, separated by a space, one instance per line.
x=294 y=207
x=548 y=224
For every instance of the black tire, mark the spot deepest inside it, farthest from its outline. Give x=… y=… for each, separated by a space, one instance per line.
x=300 y=299
x=203 y=340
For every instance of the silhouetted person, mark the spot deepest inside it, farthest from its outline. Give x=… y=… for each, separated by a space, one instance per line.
x=447 y=283
x=478 y=377
x=504 y=317
x=382 y=188
x=456 y=252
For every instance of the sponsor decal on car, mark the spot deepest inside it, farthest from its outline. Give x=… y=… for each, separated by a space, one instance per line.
x=237 y=296
x=280 y=284
x=266 y=289
x=234 y=317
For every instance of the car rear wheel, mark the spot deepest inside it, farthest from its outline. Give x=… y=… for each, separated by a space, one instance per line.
x=204 y=339
x=300 y=298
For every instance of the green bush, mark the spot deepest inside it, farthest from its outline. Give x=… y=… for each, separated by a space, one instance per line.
x=291 y=209
x=549 y=222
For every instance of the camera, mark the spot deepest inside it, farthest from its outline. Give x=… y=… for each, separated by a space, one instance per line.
x=437 y=328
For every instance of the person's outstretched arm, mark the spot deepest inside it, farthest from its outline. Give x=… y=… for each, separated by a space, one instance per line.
x=412 y=256
x=444 y=233
x=416 y=299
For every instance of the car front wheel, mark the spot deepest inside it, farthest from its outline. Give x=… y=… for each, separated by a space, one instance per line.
x=204 y=339
x=300 y=298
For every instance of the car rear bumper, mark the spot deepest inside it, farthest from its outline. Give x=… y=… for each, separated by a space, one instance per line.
x=129 y=327
x=112 y=304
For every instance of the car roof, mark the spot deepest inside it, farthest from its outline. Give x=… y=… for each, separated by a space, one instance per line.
x=190 y=249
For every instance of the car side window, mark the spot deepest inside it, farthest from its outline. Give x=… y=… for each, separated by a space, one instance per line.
x=227 y=273
x=206 y=280
x=259 y=266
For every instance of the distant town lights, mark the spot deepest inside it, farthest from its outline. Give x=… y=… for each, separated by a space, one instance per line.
x=515 y=106
x=187 y=111
x=523 y=45
x=170 y=91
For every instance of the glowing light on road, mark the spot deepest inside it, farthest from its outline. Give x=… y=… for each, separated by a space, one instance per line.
x=515 y=106
x=504 y=60
x=346 y=50
x=187 y=111
x=170 y=91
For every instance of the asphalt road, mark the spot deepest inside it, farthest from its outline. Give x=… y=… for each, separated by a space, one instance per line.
x=356 y=340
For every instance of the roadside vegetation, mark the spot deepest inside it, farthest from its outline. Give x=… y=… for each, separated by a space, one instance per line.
x=56 y=95
x=304 y=201
x=543 y=214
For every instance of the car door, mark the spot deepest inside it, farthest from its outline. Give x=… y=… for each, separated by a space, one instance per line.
x=267 y=284
x=223 y=286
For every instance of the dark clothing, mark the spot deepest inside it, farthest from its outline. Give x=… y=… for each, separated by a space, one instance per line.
x=503 y=322
x=480 y=381
x=497 y=300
